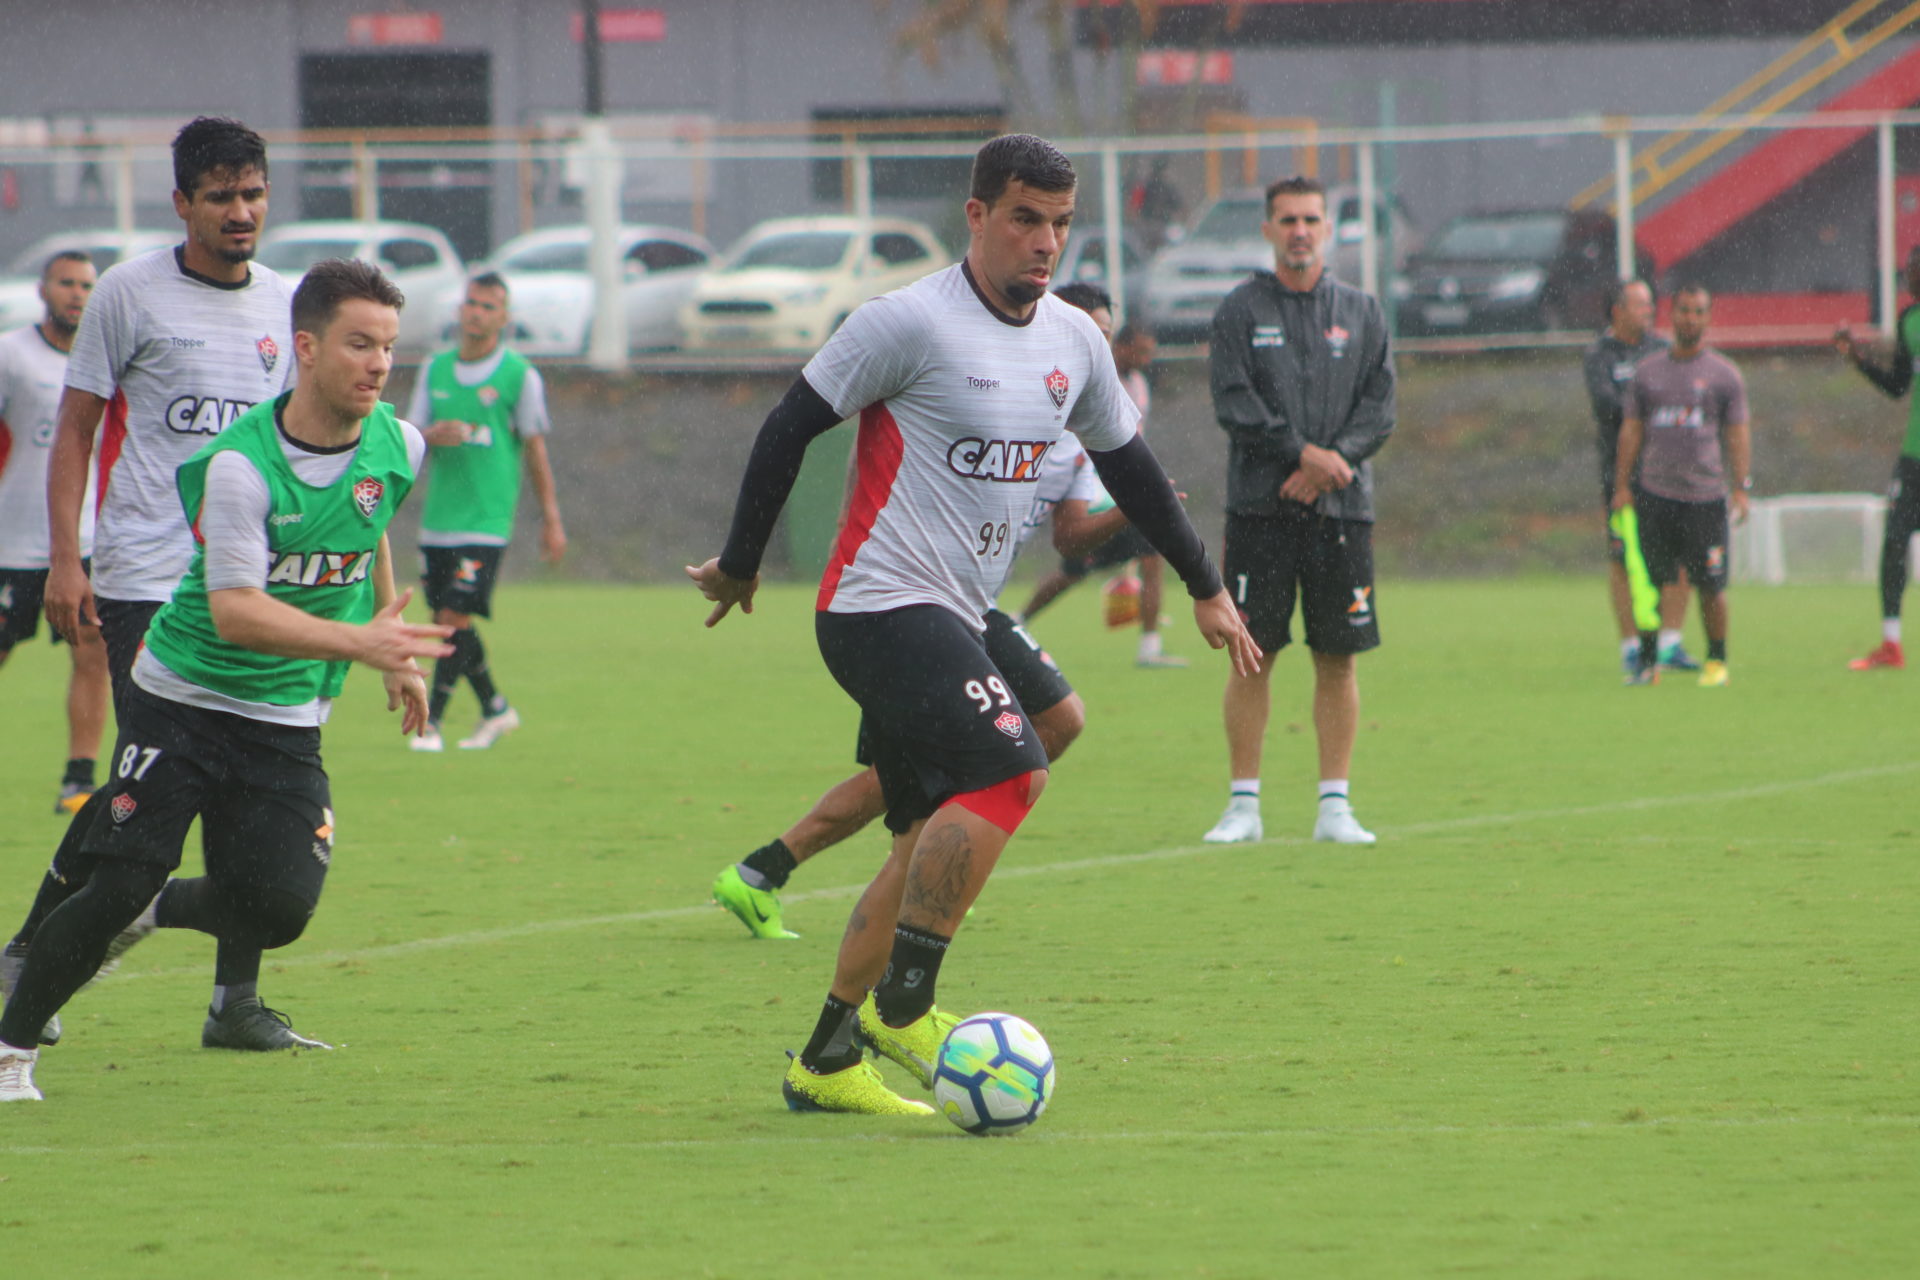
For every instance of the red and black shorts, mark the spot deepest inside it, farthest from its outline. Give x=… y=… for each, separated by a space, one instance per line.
x=938 y=718
x=1326 y=564
x=258 y=789
x=462 y=578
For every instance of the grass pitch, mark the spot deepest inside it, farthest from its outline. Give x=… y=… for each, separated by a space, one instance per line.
x=1627 y=989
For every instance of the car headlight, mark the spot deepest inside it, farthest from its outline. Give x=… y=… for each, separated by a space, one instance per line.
x=1400 y=288
x=806 y=297
x=1517 y=284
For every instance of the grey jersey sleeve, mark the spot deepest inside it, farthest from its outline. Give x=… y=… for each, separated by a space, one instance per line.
x=233 y=523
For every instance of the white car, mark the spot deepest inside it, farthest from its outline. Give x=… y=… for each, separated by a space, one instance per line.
x=416 y=257
x=552 y=288
x=791 y=281
x=20 y=303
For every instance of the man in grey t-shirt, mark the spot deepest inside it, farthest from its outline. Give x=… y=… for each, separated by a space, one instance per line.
x=1686 y=427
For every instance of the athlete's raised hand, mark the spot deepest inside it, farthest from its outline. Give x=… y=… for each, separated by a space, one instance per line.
x=390 y=644
x=723 y=590
x=1220 y=622
x=407 y=689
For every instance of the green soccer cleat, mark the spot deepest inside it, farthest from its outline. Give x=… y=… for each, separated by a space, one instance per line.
x=915 y=1046
x=855 y=1090
x=758 y=909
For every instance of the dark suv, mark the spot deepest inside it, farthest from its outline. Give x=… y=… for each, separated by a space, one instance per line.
x=1513 y=271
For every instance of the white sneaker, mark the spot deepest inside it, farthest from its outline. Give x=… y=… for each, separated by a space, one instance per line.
x=1340 y=826
x=1239 y=824
x=428 y=741
x=16 y=1074
x=490 y=729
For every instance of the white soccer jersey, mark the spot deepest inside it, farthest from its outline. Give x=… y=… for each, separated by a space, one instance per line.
x=959 y=408
x=32 y=371
x=177 y=357
x=1068 y=474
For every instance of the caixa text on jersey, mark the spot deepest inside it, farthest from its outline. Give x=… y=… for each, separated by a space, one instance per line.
x=203 y=416
x=1008 y=461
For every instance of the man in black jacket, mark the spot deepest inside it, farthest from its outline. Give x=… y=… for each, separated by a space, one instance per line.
x=1303 y=385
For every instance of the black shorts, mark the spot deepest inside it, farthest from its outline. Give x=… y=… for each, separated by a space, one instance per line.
x=1677 y=535
x=938 y=718
x=23 y=595
x=1903 y=501
x=1328 y=563
x=258 y=789
x=1128 y=544
x=461 y=578
x=123 y=625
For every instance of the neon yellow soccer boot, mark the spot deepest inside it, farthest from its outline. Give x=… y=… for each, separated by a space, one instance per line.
x=915 y=1046
x=855 y=1090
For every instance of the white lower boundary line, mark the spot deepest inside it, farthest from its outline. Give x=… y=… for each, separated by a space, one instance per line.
x=534 y=928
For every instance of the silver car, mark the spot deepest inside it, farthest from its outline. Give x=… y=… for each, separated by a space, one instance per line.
x=417 y=258
x=20 y=303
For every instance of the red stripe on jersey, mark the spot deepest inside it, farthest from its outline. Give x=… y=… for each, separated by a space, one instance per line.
x=6 y=444
x=111 y=438
x=876 y=463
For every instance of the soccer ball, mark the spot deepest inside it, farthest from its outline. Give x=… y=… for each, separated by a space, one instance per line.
x=995 y=1074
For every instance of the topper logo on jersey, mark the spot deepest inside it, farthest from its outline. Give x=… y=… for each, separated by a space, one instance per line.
x=320 y=568
x=1003 y=461
x=194 y=416
x=1057 y=385
x=366 y=495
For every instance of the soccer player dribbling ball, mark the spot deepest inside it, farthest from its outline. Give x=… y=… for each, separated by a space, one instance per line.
x=962 y=382
x=290 y=584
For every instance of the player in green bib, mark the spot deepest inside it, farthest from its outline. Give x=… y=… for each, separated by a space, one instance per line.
x=1894 y=375
x=291 y=582
x=488 y=413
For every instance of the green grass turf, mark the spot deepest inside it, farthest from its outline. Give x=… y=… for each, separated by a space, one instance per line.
x=1627 y=989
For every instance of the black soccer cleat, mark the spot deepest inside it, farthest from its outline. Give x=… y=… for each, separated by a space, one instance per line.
x=248 y=1024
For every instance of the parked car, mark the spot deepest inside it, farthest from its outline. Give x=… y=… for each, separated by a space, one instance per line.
x=1188 y=279
x=20 y=285
x=789 y=282
x=1513 y=270
x=416 y=257
x=551 y=283
x=1086 y=260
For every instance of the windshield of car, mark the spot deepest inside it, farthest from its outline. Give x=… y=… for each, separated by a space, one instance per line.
x=1231 y=221
x=1531 y=238
x=567 y=256
x=795 y=250
x=293 y=257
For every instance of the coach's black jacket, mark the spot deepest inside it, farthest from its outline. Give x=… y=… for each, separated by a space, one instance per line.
x=1293 y=369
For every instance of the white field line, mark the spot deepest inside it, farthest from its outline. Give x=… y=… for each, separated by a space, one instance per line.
x=915 y=1132
x=1640 y=804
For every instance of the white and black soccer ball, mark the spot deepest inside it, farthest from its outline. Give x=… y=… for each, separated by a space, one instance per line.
x=995 y=1074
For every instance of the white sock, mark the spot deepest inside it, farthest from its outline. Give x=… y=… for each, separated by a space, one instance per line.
x=1333 y=791
x=1149 y=645
x=1246 y=790
x=1669 y=637
x=1890 y=630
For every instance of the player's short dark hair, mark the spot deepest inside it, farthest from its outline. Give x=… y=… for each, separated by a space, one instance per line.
x=1298 y=185
x=65 y=255
x=1617 y=290
x=211 y=144
x=1694 y=286
x=1020 y=157
x=1132 y=331
x=332 y=281
x=490 y=280
x=1085 y=295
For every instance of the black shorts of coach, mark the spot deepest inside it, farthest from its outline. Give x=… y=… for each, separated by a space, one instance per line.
x=23 y=597
x=258 y=789
x=1323 y=563
x=462 y=578
x=938 y=718
x=1676 y=535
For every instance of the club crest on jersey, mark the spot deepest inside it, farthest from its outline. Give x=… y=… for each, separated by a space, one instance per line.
x=269 y=353
x=366 y=495
x=488 y=396
x=320 y=568
x=1003 y=461
x=123 y=806
x=1057 y=385
x=1337 y=339
x=1009 y=724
